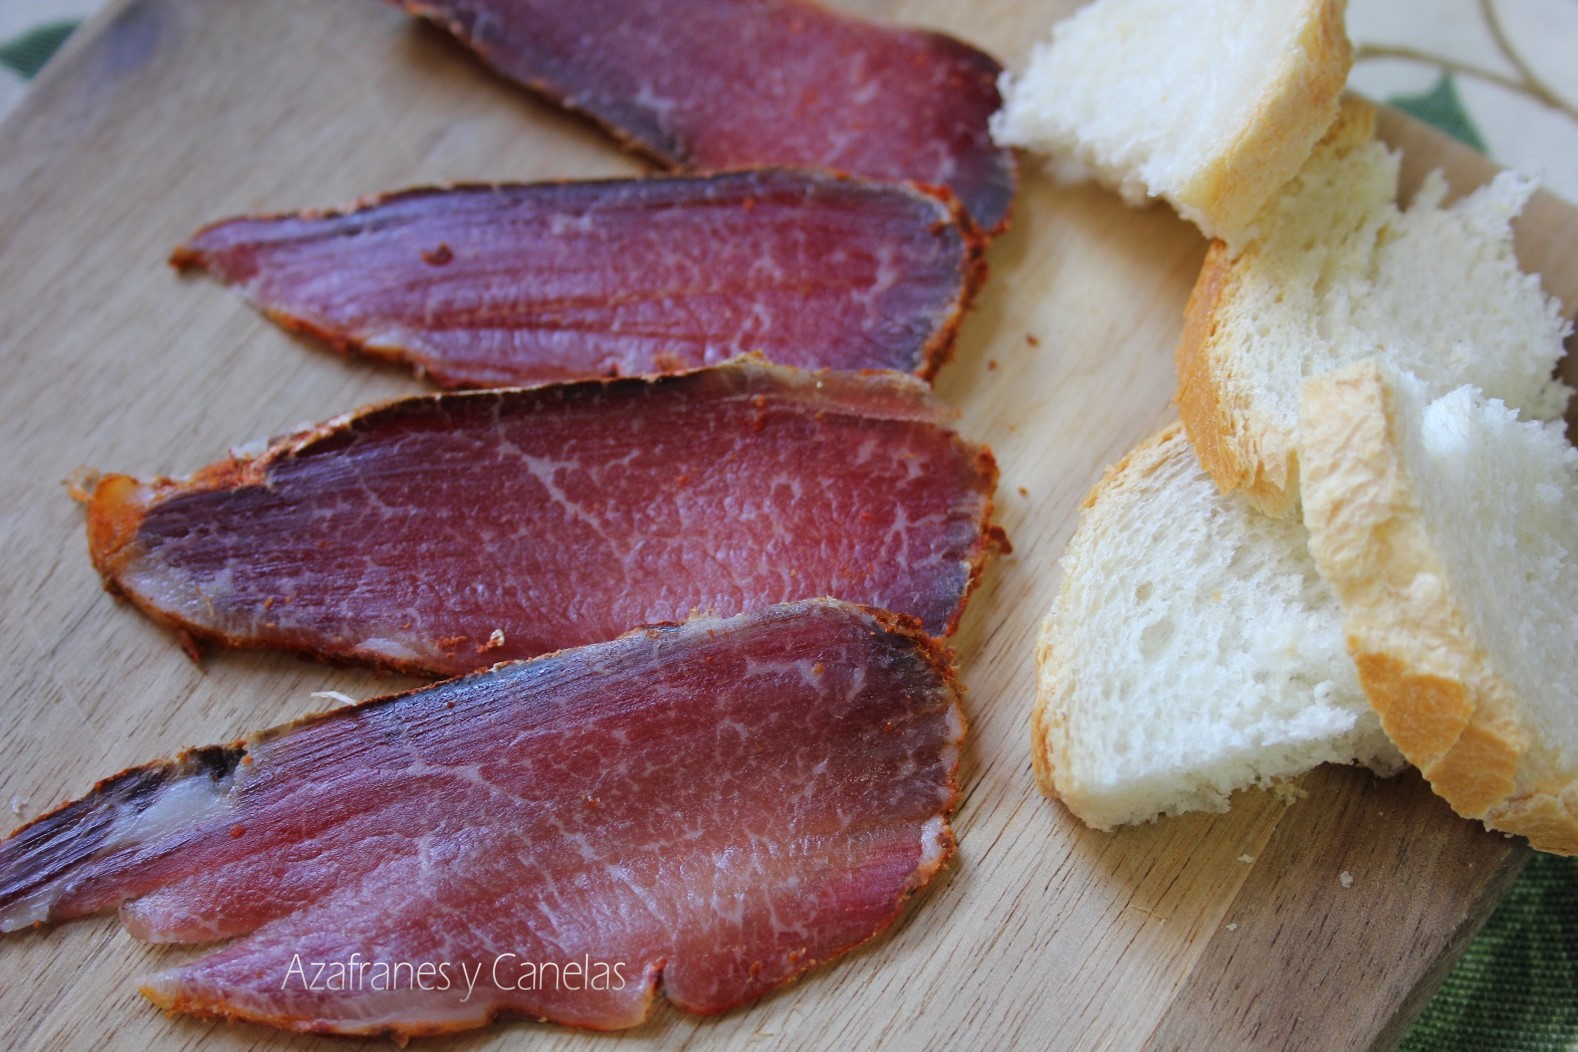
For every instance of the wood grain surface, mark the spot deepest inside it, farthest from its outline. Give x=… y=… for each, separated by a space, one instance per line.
x=164 y=114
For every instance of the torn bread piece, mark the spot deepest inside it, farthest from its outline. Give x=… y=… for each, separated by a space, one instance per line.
x=1336 y=273
x=1211 y=106
x=1447 y=530
x=1193 y=651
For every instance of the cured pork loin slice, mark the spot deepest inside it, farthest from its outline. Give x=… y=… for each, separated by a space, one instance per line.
x=494 y=286
x=445 y=532
x=709 y=84
x=712 y=808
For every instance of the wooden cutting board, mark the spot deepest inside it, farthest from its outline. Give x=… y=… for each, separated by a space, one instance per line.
x=1225 y=931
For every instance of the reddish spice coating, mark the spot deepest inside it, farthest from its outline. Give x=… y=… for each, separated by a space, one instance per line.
x=443 y=533
x=710 y=84
x=714 y=808
x=494 y=286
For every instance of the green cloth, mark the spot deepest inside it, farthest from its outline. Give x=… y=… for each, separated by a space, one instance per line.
x=1441 y=107
x=1514 y=988
x=27 y=53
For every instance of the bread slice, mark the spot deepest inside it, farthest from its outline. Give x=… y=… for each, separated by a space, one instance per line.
x=1192 y=651
x=1449 y=530
x=1335 y=273
x=1211 y=105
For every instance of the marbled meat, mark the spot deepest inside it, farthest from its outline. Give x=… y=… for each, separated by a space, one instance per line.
x=710 y=809
x=710 y=84
x=443 y=533
x=494 y=286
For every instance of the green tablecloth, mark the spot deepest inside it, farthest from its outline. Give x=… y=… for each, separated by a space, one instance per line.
x=1502 y=77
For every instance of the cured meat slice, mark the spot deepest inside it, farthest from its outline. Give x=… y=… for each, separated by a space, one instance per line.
x=446 y=532
x=708 y=84
x=493 y=286
x=712 y=808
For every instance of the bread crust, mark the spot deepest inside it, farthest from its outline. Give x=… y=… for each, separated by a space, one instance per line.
x=1220 y=427
x=1240 y=447
x=1040 y=743
x=1425 y=672
x=1293 y=114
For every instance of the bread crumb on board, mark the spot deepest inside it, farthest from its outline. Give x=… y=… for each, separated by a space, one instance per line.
x=1288 y=793
x=1345 y=879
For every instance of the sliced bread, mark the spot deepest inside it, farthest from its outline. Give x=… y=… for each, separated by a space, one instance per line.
x=1449 y=531
x=1335 y=273
x=1210 y=105
x=1193 y=651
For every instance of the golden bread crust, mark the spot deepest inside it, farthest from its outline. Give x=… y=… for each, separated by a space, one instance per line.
x=1293 y=114
x=1218 y=425
x=1422 y=666
x=1240 y=447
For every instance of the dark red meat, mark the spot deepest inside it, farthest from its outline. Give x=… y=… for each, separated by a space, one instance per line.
x=444 y=533
x=712 y=808
x=493 y=286
x=708 y=84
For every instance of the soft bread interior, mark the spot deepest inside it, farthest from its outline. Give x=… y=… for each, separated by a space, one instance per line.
x=1164 y=99
x=1192 y=652
x=1448 y=528
x=1337 y=272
